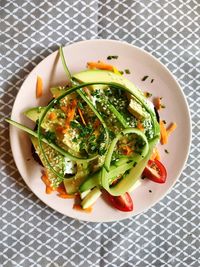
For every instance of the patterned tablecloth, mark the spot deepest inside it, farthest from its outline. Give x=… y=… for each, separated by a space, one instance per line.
x=31 y=234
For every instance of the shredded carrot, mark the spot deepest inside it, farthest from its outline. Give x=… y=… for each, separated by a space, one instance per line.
x=158 y=157
x=49 y=190
x=99 y=65
x=39 y=87
x=154 y=154
x=79 y=208
x=81 y=115
x=127 y=150
x=171 y=128
x=140 y=126
x=59 y=129
x=97 y=123
x=61 y=189
x=157 y=103
x=46 y=181
x=70 y=114
x=163 y=133
x=64 y=109
x=52 y=116
x=66 y=196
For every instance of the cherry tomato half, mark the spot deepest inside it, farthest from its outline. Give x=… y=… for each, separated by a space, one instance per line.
x=122 y=203
x=155 y=171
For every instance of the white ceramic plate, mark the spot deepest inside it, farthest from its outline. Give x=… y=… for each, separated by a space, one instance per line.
x=140 y=63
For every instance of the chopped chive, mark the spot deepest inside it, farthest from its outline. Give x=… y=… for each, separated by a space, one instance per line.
x=145 y=77
x=121 y=72
x=148 y=94
x=166 y=151
x=127 y=71
x=112 y=57
x=152 y=80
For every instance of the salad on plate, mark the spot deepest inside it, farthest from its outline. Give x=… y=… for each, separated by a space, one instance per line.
x=97 y=137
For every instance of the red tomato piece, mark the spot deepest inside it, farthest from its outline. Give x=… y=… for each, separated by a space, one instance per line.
x=155 y=171
x=122 y=203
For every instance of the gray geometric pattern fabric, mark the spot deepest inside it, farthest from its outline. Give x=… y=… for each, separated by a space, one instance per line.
x=31 y=234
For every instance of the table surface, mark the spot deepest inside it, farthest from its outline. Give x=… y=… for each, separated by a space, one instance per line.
x=31 y=234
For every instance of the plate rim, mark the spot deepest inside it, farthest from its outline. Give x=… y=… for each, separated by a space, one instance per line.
x=175 y=80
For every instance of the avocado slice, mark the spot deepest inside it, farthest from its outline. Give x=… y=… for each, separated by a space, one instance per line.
x=35 y=113
x=136 y=110
x=55 y=159
x=107 y=76
x=57 y=91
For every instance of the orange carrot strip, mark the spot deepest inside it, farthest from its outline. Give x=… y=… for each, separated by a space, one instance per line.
x=60 y=189
x=140 y=126
x=45 y=180
x=153 y=155
x=62 y=192
x=157 y=103
x=52 y=116
x=163 y=132
x=158 y=157
x=39 y=87
x=81 y=115
x=66 y=196
x=171 y=128
x=127 y=150
x=97 y=123
x=99 y=65
x=49 y=190
x=70 y=114
x=64 y=109
x=59 y=129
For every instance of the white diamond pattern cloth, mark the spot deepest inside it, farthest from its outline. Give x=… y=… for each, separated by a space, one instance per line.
x=31 y=234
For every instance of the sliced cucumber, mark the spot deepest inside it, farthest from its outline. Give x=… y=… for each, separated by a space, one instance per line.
x=84 y=194
x=90 y=182
x=91 y=198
